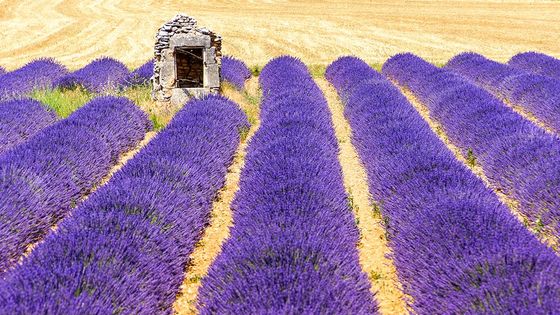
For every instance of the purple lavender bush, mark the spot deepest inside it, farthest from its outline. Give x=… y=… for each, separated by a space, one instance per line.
x=292 y=248
x=124 y=250
x=21 y=119
x=518 y=157
x=2 y=70
x=43 y=178
x=537 y=94
x=456 y=248
x=537 y=63
x=38 y=74
x=141 y=76
x=235 y=71
x=101 y=75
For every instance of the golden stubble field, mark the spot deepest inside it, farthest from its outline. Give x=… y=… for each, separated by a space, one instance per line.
x=75 y=32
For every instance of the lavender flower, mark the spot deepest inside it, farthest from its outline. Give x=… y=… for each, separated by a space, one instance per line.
x=124 y=250
x=293 y=246
x=43 y=178
x=537 y=94
x=537 y=63
x=456 y=248
x=38 y=74
x=235 y=71
x=142 y=75
x=518 y=157
x=21 y=119
x=99 y=76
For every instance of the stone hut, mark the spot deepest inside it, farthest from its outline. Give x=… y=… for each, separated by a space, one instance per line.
x=187 y=61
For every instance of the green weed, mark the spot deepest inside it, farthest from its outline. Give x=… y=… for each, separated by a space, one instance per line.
x=471 y=159
x=255 y=70
x=374 y=275
x=243 y=132
x=63 y=101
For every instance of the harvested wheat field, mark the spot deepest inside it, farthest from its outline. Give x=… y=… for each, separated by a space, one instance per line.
x=76 y=32
x=279 y=157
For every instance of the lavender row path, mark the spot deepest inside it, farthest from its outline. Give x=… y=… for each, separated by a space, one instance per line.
x=123 y=251
x=21 y=119
x=38 y=74
x=209 y=246
x=456 y=248
x=373 y=249
x=537 y=63
x=518 y=158
x=292 y=248
x=45 y=177
x=535 y=96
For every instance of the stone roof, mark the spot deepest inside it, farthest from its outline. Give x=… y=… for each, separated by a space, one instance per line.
x=180 y=24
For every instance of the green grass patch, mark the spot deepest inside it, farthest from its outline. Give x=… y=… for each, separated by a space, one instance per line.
x=157 y=122
x=141 y=95
x=254 y=101
x=377 y=66
x=243 y=133
x=63 y=101
x=317 y=71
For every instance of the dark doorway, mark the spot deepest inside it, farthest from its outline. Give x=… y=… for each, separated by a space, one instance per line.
x=189 y=66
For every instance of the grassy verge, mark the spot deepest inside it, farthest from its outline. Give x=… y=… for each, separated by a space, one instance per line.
x=65 y=101
x=141 y=96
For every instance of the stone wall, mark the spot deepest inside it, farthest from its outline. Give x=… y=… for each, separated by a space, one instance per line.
x=182 y=31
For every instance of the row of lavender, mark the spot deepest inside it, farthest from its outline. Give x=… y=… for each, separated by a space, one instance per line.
x=292 y=248
x=42 y=179
x=537 y=63
x=124 y=250
x=98 y=76
x=457 y=250
x=103 y=74
x=535 y=93
x=21 y=119
x=517 y=156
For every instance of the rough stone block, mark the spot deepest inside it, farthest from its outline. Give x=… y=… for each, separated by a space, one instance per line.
x=210 y=55
x=180 y=96
x=180 y=40
x=167 y=74
x=212 y=76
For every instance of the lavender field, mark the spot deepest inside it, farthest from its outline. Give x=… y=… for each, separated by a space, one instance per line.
x=397 y=188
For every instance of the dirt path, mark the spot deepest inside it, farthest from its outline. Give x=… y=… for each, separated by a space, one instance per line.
x=512 y=204
x=373 y=247
x=76 y=32
x=217 y=232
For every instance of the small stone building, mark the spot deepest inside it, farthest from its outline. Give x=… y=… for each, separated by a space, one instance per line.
x=187 y=61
